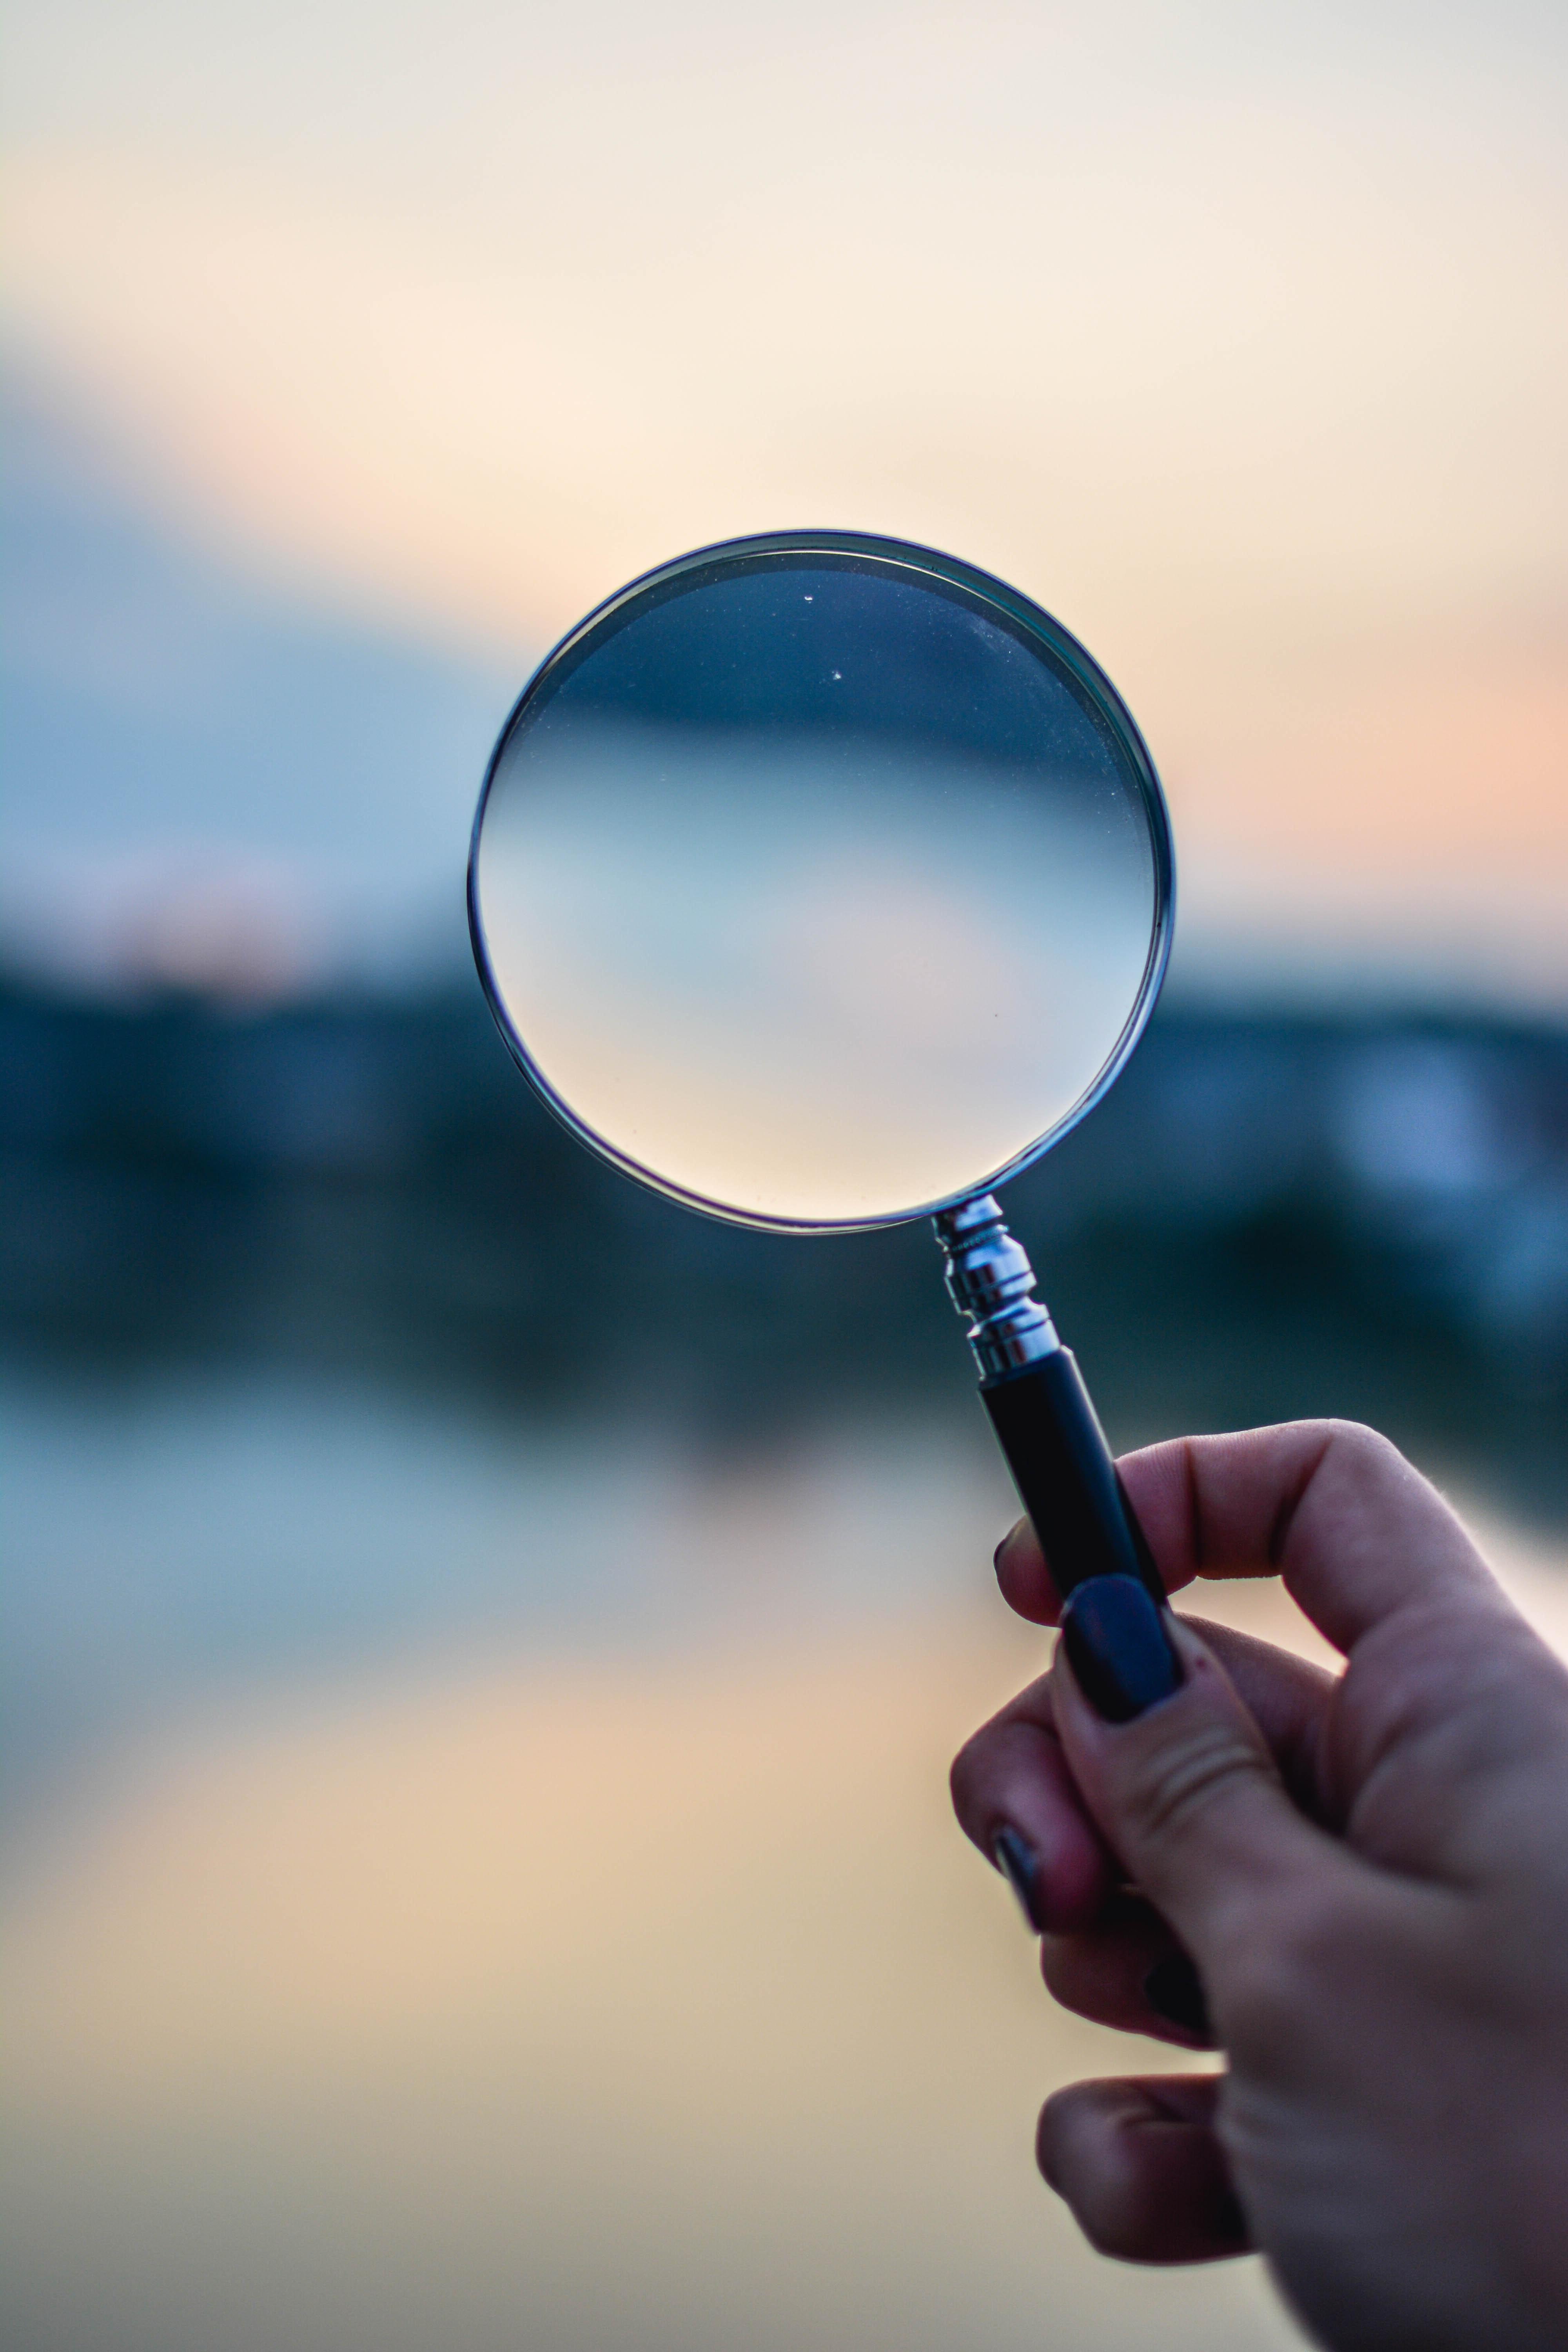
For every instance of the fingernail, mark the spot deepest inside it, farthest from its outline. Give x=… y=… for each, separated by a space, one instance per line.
x=1020 y=1865
x=1173 y=1991
x=1118 y=1647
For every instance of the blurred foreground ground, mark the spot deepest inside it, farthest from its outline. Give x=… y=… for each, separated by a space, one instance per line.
x=633 y=2003
x=484 y=1650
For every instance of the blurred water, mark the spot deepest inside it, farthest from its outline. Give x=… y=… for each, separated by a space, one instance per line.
x=483 y=1649
x=176 y=1539
x=493 y=1883
x=488 y=1881
x=478 y=1864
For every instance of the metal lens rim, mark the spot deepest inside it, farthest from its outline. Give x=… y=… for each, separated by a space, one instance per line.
x=1028 y=619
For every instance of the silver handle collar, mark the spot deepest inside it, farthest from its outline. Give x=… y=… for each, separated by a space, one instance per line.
x=990 y=1280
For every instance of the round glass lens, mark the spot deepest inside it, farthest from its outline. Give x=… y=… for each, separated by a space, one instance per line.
x=820 y=881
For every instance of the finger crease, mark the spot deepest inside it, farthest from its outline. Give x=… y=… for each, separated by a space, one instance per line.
x=1285 y=1516
x=1194 y=1511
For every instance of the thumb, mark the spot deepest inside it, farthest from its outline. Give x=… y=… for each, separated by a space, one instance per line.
x=1174 y=1769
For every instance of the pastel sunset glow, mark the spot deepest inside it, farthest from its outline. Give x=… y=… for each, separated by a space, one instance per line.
x=484 y=1645
x=1235 y=341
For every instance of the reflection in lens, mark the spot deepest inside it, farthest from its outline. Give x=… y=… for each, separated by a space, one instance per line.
x=815 y=890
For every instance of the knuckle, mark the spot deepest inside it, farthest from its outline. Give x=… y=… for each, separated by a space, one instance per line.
x=1175 y=1788
x=1284 y=1960
x=1000 y=1748
x=1257 y=2000
x=1364 y=1449
x=975 y=1772
x=1101 y=2212
x=963 y=1774
x=1358 y=1434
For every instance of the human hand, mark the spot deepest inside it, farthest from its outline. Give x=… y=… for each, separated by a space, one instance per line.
x=1368 y=1872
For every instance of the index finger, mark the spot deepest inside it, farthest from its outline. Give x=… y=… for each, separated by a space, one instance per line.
x=1353 y=1527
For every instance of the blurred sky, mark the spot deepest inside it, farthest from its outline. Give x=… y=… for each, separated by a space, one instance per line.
x=1237 y=336
x=507 y=1954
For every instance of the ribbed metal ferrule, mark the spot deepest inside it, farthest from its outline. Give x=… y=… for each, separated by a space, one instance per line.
x=990 y=1280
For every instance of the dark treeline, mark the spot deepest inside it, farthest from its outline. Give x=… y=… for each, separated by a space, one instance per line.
x=1269 y=1215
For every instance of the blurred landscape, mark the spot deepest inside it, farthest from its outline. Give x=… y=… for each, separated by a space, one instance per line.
x=482 y=1646
x=1272 y=1216
x=437 y=1567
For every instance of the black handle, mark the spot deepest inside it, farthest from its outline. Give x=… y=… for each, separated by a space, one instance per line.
x=1066 y=1480
x=1039 y=1406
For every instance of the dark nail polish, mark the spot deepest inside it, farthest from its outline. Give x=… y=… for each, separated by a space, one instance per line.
x=1173 y=1991
x=1118 y=1647
x=1020 y=1865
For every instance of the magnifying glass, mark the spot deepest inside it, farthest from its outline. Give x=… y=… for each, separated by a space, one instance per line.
x=821 y=882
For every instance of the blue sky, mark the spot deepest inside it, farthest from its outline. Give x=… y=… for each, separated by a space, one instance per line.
x=175 y=722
